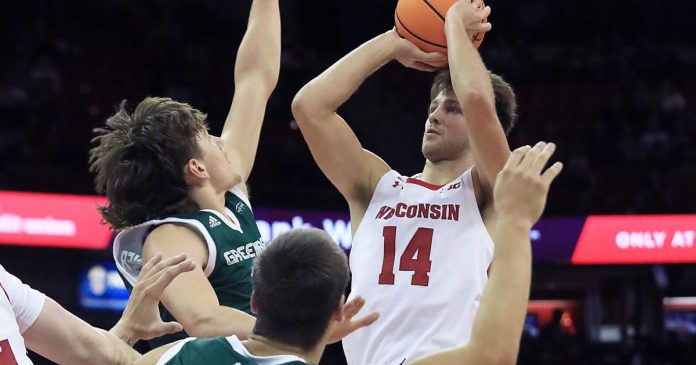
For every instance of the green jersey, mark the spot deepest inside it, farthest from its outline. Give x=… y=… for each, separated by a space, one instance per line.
x=220 y=351
x=232 y=240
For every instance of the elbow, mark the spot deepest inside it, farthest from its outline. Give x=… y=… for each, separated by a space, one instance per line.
x=269 y=77
x=477 y=98
x=262 y=79
x=304 y=107
x=267 y=82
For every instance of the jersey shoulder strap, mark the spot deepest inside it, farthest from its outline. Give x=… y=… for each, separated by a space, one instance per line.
x=128 y=244
x=220 y=350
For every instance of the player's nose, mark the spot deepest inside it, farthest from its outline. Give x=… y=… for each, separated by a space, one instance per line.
x=435 y=117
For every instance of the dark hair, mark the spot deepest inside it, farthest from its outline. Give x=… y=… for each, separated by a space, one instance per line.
x=140 y=158
x=505 y=99
x=298 y=282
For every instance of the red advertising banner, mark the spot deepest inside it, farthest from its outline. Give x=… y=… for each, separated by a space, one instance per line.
x=636 y=239
x=52 y=220
x=72 y=221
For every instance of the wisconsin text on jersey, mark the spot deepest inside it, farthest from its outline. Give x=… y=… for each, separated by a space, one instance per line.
x=447 y=212
x=245 y=252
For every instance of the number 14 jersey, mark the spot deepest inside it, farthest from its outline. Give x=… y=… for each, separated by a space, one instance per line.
x=420 y=257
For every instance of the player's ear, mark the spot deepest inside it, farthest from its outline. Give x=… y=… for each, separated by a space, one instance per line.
x=254 y=305
x=195 y=171
x=339 y=313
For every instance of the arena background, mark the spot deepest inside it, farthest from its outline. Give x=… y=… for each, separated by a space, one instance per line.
x=611 y=82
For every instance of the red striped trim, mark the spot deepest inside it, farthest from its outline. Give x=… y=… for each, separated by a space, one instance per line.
x=424 y=184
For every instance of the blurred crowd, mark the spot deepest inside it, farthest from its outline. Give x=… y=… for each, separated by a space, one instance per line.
x=609 y=83
x=572 y=350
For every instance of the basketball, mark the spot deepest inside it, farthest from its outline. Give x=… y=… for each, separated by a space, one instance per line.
x=422 y=22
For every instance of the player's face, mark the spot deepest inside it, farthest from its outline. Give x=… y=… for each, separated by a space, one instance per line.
x=445 y=136
x=217 y=163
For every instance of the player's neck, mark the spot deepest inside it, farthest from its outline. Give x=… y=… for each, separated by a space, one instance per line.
x=207 y=198
x=263 y=346
x=443 y=172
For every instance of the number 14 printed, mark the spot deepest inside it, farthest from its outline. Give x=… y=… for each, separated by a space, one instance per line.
x=416 y=256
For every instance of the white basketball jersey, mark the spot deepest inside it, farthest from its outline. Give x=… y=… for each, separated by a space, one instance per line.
x=420 y=258
x=20 y=306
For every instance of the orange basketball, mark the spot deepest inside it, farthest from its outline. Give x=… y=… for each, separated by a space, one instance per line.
x=423 y=23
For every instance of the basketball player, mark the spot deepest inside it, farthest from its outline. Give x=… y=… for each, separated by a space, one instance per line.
x=173 y=188
x=28 y=318
x=299 y=281
x=421 y=249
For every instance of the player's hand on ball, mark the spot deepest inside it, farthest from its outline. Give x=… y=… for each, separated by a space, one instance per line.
x=141 y=318
x=473 y=17
x=348 y=325
x=521 y=187
x=413 y=57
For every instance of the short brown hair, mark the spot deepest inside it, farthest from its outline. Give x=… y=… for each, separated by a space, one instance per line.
x=505 y=99
x=140 y=157
x=298 y=282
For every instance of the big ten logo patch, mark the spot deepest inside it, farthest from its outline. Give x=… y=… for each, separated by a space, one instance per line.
x=455 y=186
x=6 y=355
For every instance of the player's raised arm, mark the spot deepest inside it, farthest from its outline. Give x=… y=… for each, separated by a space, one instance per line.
x=519 y=199
x=353 y=170
x=471 y=82
x=256 y=73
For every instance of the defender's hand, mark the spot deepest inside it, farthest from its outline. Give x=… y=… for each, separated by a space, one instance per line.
x=141 y=318
x=521 y=188
x=348 y=325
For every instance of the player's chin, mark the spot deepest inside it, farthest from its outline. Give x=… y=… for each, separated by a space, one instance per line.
x=438 y=152
x=431 y=152
x=236 y=180
x=233 y=179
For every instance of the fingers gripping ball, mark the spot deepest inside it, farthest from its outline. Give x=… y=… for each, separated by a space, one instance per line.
x=422 y=22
